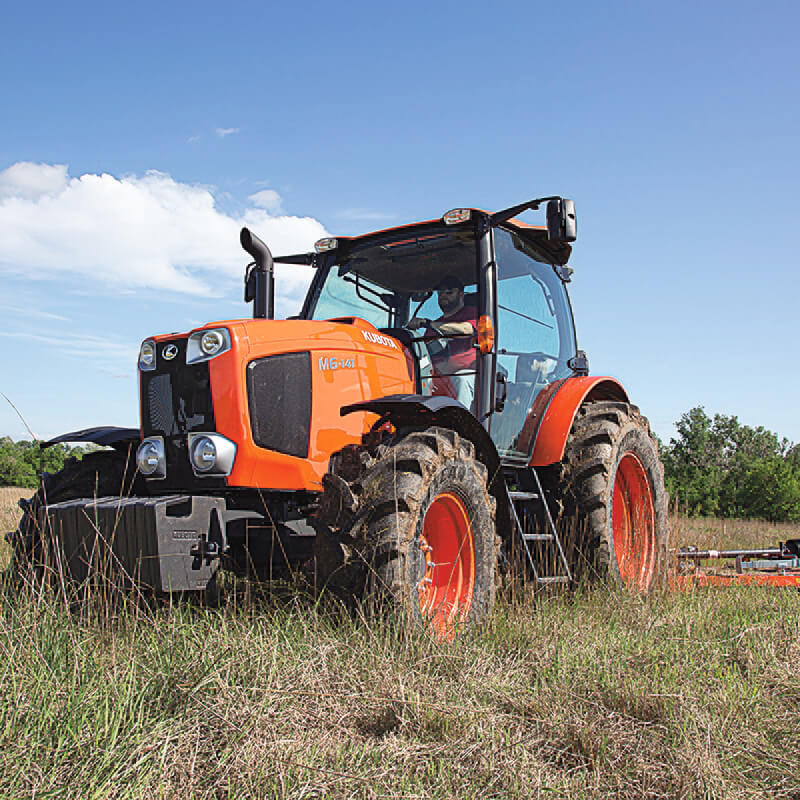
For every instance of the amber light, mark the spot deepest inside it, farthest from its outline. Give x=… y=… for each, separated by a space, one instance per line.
x=328 y=243
x=485 y=334
x=456 y=215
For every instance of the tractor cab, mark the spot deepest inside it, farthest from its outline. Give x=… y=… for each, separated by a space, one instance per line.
x=479 y=300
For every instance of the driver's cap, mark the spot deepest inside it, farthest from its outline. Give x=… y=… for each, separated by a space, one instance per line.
x=450 y=282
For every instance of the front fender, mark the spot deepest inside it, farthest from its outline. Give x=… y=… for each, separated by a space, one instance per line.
x=559 y=414
x=405 y=410
x=108 y=436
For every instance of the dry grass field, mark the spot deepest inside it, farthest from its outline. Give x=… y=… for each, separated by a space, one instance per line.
x=9 y=516
x=591 y=695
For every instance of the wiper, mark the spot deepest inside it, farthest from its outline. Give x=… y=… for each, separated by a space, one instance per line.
x=525 y=316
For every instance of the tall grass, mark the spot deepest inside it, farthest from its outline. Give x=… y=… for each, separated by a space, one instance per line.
x=595 y=695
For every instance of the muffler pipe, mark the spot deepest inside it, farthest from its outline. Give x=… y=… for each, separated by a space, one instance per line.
x=263 y=275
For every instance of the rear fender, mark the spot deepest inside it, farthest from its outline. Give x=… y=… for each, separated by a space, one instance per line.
x=559 y=414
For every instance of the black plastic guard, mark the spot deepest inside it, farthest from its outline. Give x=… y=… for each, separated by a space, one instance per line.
x=403 y=404
x=108 y=436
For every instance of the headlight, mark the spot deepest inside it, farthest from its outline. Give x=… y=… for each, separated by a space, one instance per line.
x=211 y=454
x=203 y=345
x=211 y=342
x=151 y=458
x=204 y=454
x=147 y=355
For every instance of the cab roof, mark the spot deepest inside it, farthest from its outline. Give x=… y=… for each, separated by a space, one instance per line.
x=535 y=235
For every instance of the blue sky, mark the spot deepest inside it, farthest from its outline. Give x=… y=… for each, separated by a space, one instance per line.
x=135 y=140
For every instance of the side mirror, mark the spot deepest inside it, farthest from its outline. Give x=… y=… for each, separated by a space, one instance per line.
x=562 y=224
x=249 y=285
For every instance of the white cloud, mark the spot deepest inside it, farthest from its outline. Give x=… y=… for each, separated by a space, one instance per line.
x=223 y=132
x=80 y=345
x=137 y=232
x=268 y=199
x=28 y=181
x=32 y=312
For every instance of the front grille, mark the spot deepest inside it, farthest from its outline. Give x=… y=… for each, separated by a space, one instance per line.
x=176 y=396
x=279 y=395
x=175 y=401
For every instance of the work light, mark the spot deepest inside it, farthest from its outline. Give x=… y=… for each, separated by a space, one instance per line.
x=203 y=345
x=147 y=355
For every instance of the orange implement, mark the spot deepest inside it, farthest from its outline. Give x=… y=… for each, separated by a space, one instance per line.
x=684 y=582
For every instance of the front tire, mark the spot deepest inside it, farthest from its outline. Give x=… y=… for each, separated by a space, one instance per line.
x=424 y=531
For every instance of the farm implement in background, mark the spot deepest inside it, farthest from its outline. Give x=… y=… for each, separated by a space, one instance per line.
x=772 y=566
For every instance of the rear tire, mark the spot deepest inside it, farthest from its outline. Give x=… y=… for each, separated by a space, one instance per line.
x=612 y=486
x=422 y=540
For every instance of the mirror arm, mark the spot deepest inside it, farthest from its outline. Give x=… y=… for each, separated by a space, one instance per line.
x=507 y=213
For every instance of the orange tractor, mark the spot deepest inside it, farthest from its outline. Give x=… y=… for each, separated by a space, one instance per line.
x=424 y=416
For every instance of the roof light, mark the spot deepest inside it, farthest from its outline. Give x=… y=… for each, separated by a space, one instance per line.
x=323 y=245
x=456 y=215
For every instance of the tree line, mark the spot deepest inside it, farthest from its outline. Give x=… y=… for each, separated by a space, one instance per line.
x=715 y=466
x=22 y=462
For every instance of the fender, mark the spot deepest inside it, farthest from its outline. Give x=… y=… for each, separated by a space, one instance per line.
x=415 y=409
x=108 y=436
x=562 y=405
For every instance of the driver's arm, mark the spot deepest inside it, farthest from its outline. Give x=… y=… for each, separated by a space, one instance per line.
x=452 y=328
x=441 y=326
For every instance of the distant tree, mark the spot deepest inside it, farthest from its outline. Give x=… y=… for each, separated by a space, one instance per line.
x=16 y=467
x=693 y=464
x=719 y=466
x=22 y=462
x=771 y=491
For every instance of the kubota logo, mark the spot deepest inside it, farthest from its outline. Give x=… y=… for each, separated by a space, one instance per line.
x=169 y=352
x=379 y=338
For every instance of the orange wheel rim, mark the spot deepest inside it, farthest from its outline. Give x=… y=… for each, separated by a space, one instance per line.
x=448 y=544
x=634 y=524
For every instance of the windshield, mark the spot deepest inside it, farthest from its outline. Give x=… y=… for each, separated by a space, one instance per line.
x=392 y=278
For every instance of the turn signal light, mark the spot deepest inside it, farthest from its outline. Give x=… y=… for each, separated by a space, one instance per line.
x=485 y=334
x=456 y=215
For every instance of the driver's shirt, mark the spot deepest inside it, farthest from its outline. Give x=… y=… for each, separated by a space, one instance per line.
x=461 y=348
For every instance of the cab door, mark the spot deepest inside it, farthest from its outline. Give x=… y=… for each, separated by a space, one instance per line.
x=534 y=335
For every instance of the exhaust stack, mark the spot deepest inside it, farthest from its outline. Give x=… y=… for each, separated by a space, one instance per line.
x=259 y=280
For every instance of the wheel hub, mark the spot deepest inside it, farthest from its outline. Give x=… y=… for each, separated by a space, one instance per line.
x=448 y=546
x=633 y=521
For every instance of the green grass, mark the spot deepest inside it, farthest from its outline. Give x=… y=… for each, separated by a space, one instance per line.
x=596 y=695
x=677 y=695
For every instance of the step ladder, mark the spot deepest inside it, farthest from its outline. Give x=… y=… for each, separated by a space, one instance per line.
x=544 y=553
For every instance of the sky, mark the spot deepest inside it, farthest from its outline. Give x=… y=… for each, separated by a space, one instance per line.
x=135 y=140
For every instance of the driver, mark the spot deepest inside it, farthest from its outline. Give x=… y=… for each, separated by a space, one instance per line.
x=459 y=321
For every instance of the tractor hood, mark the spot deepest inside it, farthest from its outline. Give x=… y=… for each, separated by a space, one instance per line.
x=273 y=389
